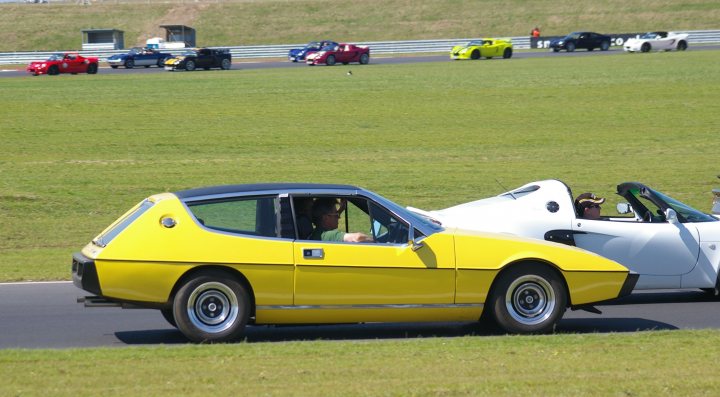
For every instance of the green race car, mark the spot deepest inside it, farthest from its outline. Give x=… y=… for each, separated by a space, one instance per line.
x=487 y=48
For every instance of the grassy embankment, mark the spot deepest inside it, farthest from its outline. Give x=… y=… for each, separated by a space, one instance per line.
x=57 y=26
x=78 y=151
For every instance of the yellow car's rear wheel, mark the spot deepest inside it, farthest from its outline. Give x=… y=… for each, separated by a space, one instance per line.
x=211 y=307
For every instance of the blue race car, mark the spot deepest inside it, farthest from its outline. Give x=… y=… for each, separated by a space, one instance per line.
x=299 y=54
x=139 y=57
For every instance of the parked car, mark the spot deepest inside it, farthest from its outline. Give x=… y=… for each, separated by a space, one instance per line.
x=215 y=259
x=657 y=41
x=343 y=53
x=668 y=243
x=299 y=54
x=139 y=56
x=204 y=58
x=587 y=40
x=487 y=48
x=68 y=62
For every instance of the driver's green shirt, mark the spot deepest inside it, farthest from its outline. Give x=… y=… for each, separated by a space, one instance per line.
x=327 y=235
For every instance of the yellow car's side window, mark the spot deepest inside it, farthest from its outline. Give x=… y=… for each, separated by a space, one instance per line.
x=253 y=215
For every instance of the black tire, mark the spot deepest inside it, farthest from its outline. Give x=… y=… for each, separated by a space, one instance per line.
x=570 y=47
x=160 y=62
x=92 y=68
x=590 y=48
x=555 y=49
x=528 y=299
x=113 y=66
x=225 y=64
x=190 y=65
x=475 y=54
x=604 y=46
x=645 y=47
x=714 y=292
x=129 y=64
x=682 y=45
x=211 y=307
x=168 y=316
x=330 y=61
x=364 y=59
x=507 y=53
x=53 y=70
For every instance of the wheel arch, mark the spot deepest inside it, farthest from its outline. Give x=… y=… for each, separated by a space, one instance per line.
x=231 y=272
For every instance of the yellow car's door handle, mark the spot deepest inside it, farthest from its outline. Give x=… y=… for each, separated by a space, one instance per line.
x=313 y=253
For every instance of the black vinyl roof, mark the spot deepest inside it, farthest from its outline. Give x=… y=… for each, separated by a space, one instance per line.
x=260 y=187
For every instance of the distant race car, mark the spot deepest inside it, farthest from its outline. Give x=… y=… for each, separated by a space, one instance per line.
x=204 y=58
x=299 y=54
x=657 y=41
x=668 y=243
x=343 y=53
x=69 y=62
x=139 y=56
x=586 y=40
x=487 y=48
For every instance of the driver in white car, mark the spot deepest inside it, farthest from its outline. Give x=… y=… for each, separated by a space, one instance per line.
x=588 y=205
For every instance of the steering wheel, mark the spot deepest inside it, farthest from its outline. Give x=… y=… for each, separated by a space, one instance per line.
x=647 y=216
x=396 y=233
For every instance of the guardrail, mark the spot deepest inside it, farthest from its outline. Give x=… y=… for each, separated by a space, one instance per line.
x=376 y=47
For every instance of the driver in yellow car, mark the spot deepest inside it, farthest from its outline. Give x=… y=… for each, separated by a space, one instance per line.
x=326 y=216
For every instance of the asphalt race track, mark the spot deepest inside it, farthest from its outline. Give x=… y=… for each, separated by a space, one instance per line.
x=374 y=60
x=47 y=315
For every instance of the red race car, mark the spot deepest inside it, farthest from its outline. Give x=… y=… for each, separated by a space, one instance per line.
x=69 y=62
x=344 y=53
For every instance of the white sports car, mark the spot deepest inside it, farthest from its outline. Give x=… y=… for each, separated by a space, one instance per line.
x=657 y=41
x=668 y=243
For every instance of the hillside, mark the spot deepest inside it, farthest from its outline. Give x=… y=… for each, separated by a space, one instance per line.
x=57 y=26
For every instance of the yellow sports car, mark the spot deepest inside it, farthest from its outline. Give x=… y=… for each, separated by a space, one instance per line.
x=215 y=259
x=487 y=48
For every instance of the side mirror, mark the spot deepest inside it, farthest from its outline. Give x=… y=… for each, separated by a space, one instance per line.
x=671 y=215
x=624 y=208
x=415 y=246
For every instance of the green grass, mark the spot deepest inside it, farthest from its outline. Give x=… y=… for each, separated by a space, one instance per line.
x=677 y=363
x=78 y=151
x=57 y=26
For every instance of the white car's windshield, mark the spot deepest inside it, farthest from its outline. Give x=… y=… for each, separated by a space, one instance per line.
x=688 y=212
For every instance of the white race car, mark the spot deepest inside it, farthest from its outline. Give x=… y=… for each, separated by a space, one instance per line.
x=668 y=243
x=657 y=41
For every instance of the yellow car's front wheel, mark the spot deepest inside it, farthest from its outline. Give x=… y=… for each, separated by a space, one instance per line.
x=528 y=298
x=211 y=307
